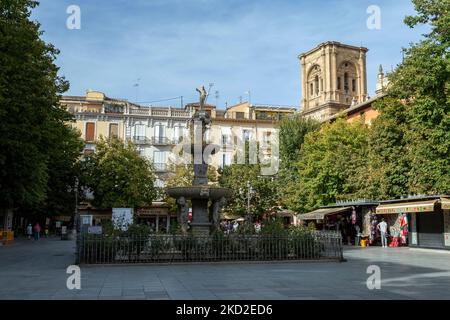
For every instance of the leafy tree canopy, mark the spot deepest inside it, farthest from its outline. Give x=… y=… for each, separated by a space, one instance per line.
x=118 y=176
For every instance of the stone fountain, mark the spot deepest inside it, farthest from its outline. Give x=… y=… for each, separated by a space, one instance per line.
x=207 y=201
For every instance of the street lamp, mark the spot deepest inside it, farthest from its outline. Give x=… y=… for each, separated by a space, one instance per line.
x=76 y=217
x=250 y=193
x=247 y=194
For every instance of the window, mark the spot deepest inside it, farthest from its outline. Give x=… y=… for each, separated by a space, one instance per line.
x=346 y=82
x=311 y=88
x=240 y=115
x=316 y=84
x=139 y=132
x=159 y=160
x=339 y=83
x=247 y=135
x=226 y=160
x=177 y=134
x=113 y=130
x=159 y=131
x=90 y=131
x=226 y=139
x=353 y=85
x=226 y=135
x=261 y=115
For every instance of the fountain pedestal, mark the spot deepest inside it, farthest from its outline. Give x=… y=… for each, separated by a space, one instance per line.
x=200 y=193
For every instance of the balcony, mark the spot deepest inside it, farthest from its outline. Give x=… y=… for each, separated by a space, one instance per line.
x=161 y=141
x=160 y=167
x=141 y=140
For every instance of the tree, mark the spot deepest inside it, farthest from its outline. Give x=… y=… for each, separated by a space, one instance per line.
x=118 y=176
x=33 y=136
x=389 y=165
x=63 y=169
x=237 y=176
x=292 y=132
x=418 y=124
x=331 y=165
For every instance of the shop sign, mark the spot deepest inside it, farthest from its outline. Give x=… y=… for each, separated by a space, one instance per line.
x=152 y=212
x=425 y=206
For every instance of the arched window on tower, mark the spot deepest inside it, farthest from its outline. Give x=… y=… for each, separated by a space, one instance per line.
x=316 y=84
x=311 y=85
x=346 y=86
x=353 y=85
x=339 y=83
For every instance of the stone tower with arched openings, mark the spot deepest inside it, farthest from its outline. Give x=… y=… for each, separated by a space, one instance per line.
x=333 y=78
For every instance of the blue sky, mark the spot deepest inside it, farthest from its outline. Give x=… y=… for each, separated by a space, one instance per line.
x=173 y=46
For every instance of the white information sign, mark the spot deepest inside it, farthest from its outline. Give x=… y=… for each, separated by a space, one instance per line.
x=86 y=220
x=414 y=238
x=95 y=230
x=447 y=239
x=122 y=217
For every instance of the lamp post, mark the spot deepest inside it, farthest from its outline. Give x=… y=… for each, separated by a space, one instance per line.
x=250 y=193
x=76 y=218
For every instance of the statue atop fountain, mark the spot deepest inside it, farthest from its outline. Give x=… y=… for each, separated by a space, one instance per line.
x=205 y=216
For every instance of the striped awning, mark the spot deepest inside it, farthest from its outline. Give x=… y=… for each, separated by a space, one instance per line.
x=445 y=203
x=414 y=206
x=320 y=214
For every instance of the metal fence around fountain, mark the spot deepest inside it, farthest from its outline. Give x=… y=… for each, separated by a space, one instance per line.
x=100 y=249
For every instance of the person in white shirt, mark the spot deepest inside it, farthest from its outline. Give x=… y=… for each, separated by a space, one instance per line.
x=382 y=226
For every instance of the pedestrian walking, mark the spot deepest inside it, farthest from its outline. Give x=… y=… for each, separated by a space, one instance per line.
x=235 y=226
x=29 y=231
x=382 y=226
x=230 y=227
x=37 y=231
x=358 y=235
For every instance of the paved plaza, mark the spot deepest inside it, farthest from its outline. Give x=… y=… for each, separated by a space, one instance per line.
x=37 y=270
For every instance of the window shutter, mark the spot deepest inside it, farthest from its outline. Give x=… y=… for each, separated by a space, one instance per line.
x=90 y=131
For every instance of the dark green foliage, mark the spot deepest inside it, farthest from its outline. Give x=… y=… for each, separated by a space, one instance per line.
x=415 y=123
x=38 y=150
x=118 y=176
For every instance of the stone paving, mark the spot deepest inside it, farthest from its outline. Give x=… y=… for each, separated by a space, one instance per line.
x=37 y=270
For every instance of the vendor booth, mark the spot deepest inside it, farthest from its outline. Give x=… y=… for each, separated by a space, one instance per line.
x=157 y=217
x=422 y=221
x=324 y=218
x=352 y=218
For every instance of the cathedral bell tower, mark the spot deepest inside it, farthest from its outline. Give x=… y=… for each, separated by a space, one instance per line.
x=333 y=78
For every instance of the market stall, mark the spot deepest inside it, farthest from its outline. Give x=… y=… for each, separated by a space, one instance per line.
x=419 y=221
